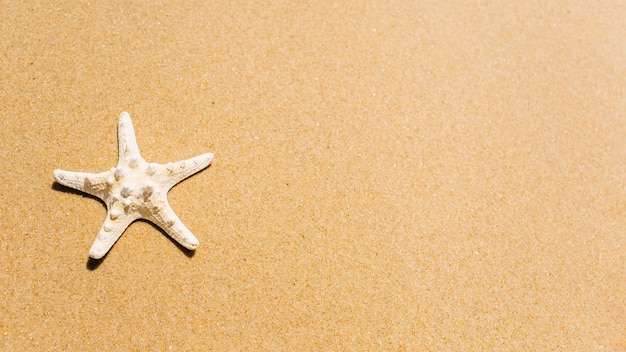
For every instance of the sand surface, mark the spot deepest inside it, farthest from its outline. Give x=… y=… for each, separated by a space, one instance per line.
x=388 y=175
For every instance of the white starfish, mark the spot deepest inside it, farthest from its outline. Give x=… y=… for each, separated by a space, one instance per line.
x=135 y=190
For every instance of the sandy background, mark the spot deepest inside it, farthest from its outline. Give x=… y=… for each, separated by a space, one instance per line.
x=388 y=175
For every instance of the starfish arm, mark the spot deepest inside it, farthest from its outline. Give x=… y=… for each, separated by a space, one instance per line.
x=94 y=184
x=166 y=219
x=110 y=232
x=127 y=142
x=179 y=171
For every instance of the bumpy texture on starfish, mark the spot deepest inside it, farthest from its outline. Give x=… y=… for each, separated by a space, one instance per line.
x=135 y=190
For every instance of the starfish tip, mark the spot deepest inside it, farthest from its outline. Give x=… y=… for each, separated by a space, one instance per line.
x=96 y=254
x=58 y=175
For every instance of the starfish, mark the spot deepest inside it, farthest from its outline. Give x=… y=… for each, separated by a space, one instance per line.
x=135 y=190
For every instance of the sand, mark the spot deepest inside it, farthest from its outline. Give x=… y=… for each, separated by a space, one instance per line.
x=388 y=176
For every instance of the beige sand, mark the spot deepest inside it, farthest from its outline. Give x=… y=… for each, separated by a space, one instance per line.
x=388 y=176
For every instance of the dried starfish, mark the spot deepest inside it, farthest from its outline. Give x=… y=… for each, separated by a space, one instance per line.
x=135 y=190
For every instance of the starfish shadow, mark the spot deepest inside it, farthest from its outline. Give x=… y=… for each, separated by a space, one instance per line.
x=60 y=188
x=93 y=264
